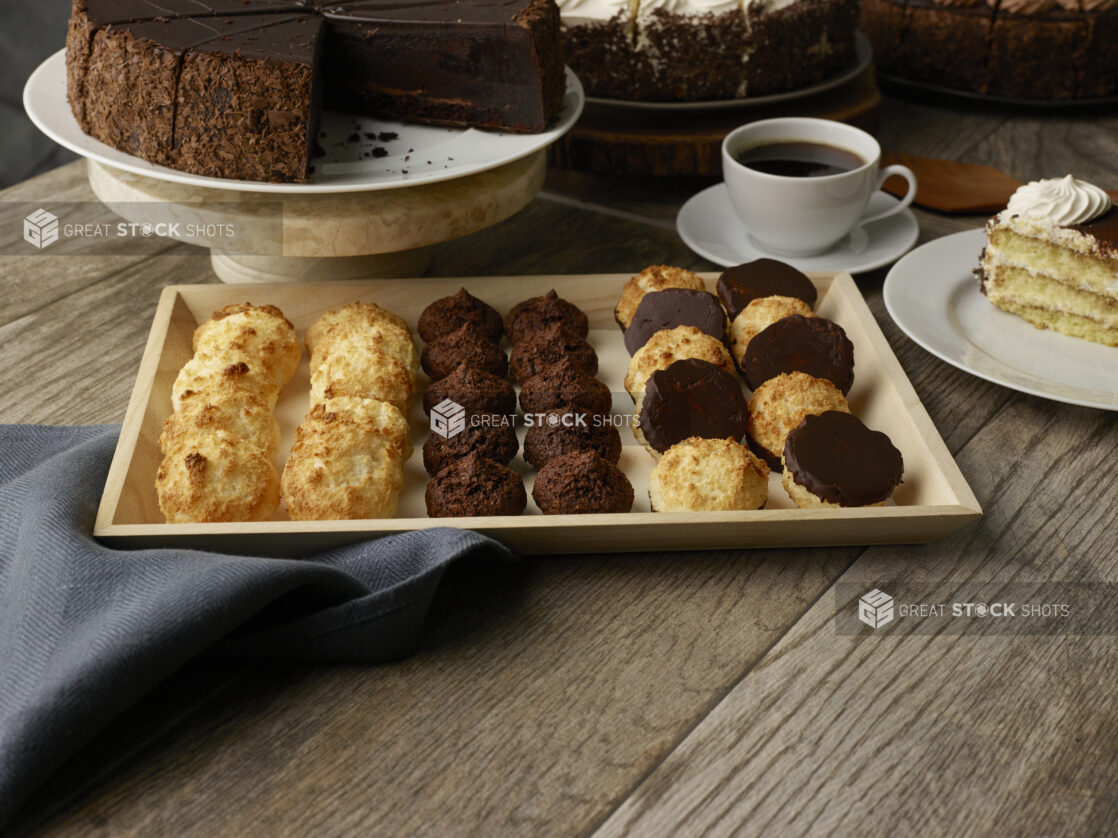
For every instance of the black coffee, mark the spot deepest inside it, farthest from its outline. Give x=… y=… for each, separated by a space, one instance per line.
x=799 y=159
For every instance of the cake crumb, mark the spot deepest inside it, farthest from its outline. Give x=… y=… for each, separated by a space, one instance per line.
x=380 y=151
x=387 y=136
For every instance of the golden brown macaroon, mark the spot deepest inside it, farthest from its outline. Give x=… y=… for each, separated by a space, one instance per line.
x=758 y=316
x=359 y=366
x=347 y=461
x=239 y=417
x=781 y=403
x=220 y=376
x=363 y=319
x=252 y=332
x=212 y=478
x=668 y=346
x=652 y=278
x=708 y=474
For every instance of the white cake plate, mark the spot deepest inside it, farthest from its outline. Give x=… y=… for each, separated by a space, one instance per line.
x=365 y=213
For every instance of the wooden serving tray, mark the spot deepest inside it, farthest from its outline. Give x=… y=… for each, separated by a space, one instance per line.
x=933 y=501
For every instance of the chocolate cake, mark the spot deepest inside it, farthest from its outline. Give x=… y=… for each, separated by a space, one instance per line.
x=234 y=88
x=1026 y=49
x=698 y=50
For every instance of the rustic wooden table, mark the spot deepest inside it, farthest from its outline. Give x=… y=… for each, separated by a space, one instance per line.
x=663 y=694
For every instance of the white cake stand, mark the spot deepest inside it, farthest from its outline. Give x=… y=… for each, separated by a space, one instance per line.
x=381 y=196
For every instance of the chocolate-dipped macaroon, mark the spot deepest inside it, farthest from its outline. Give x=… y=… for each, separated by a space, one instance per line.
x=566 y=429
x=813 y=345
x=538 y=313
x=691 y=398
x=581 y=483
x=740 y=285
x=564 y=384
x=465 y=345
x=536 y=352
x=476 y=390
x=491 y=436
x=832 y=459
x=675 y=307
x=475 y=485
x=448 y=314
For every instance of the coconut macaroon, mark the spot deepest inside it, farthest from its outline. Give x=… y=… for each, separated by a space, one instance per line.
x=359 y=366
x=668 y=346
x=833 y=460
x=708 y=475
x=347 y=461
x=782 y=403
x=260 y=333
x=242 y=417
x=214 y=477
x=758 y=316
x=363 y=319
x=213 y=376
x=652 y=278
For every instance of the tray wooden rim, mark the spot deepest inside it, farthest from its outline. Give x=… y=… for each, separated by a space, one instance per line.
x=926 y=521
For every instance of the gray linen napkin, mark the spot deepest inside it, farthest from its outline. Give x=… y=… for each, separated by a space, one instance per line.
x=86 y=631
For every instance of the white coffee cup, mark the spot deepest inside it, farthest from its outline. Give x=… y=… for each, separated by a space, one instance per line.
x=803 y=216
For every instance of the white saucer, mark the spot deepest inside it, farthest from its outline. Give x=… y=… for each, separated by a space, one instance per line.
x=934 y=297
x=709 y=226
x=418 y=154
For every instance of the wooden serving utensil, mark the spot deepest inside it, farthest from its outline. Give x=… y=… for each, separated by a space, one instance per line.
x=952 y=186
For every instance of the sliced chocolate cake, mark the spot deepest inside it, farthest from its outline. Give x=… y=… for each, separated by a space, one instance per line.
x=233 y=88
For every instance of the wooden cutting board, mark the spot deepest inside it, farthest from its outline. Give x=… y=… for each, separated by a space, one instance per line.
x=635 y=142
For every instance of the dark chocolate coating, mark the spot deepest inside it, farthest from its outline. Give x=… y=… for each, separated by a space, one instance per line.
x=476 y=390
x=565 y=430
x=541 y=350
x=475 y=485
x=692 y=398
x=448 y=314
x=579 y=483
x=565 y=384
x=538 y=313
x=675 y=307
x=839 y=460
x=742 y=284
x=465 y=345
x=812 y=345
x=495 y=441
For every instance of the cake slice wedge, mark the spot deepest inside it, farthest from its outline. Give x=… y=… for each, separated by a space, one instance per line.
x=1052 y=258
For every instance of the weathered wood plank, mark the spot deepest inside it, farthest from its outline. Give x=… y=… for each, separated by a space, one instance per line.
x=965 y=735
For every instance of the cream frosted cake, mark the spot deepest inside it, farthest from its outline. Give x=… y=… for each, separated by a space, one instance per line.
x=693 y=50
x=1052 y=258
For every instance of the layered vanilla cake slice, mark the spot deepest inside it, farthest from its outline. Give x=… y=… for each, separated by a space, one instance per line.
x=1052 y=258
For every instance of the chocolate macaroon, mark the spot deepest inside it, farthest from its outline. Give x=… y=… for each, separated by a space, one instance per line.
x=538 y=351
x=449 y=314
x=813 y=345
x=740 y=285
x=675 y=307
x=475 y=485
x=564 y=430
x=538 y=313
x=580 y=483
x=476 y=390
x=832 y=459
x=691 y=398
x=565 y=384
x=491 y=436
x=465 y=345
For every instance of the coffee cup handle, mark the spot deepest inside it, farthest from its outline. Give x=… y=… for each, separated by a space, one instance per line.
x=883 y=176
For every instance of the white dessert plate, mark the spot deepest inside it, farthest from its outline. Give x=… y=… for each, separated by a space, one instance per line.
x=934 y=297
x=418 y=154
x=863 y=55
x=708 y=225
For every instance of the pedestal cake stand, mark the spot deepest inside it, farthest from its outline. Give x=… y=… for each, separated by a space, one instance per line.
x=381 y=195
